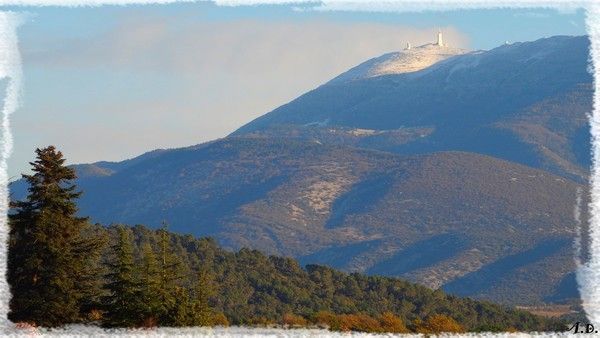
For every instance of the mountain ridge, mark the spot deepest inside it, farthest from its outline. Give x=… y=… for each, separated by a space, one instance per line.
x=464 y=102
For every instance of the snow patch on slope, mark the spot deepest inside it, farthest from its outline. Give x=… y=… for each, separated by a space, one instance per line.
x=406 y=61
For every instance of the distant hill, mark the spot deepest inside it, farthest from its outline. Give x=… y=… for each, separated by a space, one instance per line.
x=524 y=102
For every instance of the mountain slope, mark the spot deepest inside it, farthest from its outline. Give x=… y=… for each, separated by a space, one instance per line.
x=425 y=218
x=467 y=102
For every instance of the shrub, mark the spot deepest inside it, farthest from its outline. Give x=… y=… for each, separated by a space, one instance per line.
x=261 y=321
x=149 y=322
x=292 y=320
x=326 y=319
x=94 y=315
x=389 y=322
x=359 y=322
x=219 y=319
x=438 y=323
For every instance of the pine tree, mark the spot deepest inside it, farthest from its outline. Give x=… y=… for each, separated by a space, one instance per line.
x=171 y=274
x=91 y=280
x=150 y=286
x=50 y=258
x=192 y=308
x=202 y=314
x=122 y=304
x=182 y=313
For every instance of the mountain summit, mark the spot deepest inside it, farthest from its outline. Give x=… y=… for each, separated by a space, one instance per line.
x=409 y=60
x=524 y=102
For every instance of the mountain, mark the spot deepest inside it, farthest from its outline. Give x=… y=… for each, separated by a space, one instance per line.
x=426 y=218
x=457 y=170
x=523 y=102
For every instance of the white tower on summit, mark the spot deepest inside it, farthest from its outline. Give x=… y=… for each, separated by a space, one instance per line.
x=440 y=41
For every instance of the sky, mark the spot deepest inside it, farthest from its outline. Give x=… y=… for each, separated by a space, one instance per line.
x=113 y=82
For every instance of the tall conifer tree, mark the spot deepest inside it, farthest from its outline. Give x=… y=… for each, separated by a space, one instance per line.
x=50 y=258
x=150 y=285
x=202 y=313
x=171 y=274
x=122 y=304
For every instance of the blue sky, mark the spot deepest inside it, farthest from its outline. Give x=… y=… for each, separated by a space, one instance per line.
x=113 y=82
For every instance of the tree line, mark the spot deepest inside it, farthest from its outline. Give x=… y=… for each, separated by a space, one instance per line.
x=62 y=269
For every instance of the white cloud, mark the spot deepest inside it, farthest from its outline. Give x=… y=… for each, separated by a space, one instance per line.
x=165 y=44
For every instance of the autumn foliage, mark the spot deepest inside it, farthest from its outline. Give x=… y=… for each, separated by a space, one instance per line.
x=437 y=324
x=389 y=322
x=292 y=320
x=360 y=322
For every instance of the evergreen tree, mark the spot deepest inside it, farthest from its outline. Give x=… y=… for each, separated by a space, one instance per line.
x=51 y=260
x=171 y=274
x=164 y=298
x=91 y=280
x=150 y=286
x=191 y=308
x=122 y=304
x=182 y=313
x=202 y=312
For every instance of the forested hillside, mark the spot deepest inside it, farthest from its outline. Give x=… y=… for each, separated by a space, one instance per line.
x=252 y=288
x=62 y=270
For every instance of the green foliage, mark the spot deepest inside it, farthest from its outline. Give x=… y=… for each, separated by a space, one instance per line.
x=250 y=288
x=150 y=284
x=192 y=308
x=53 y=269
x=202 y=312
x=170 y=291
x=123 y=305
x=153 y=292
